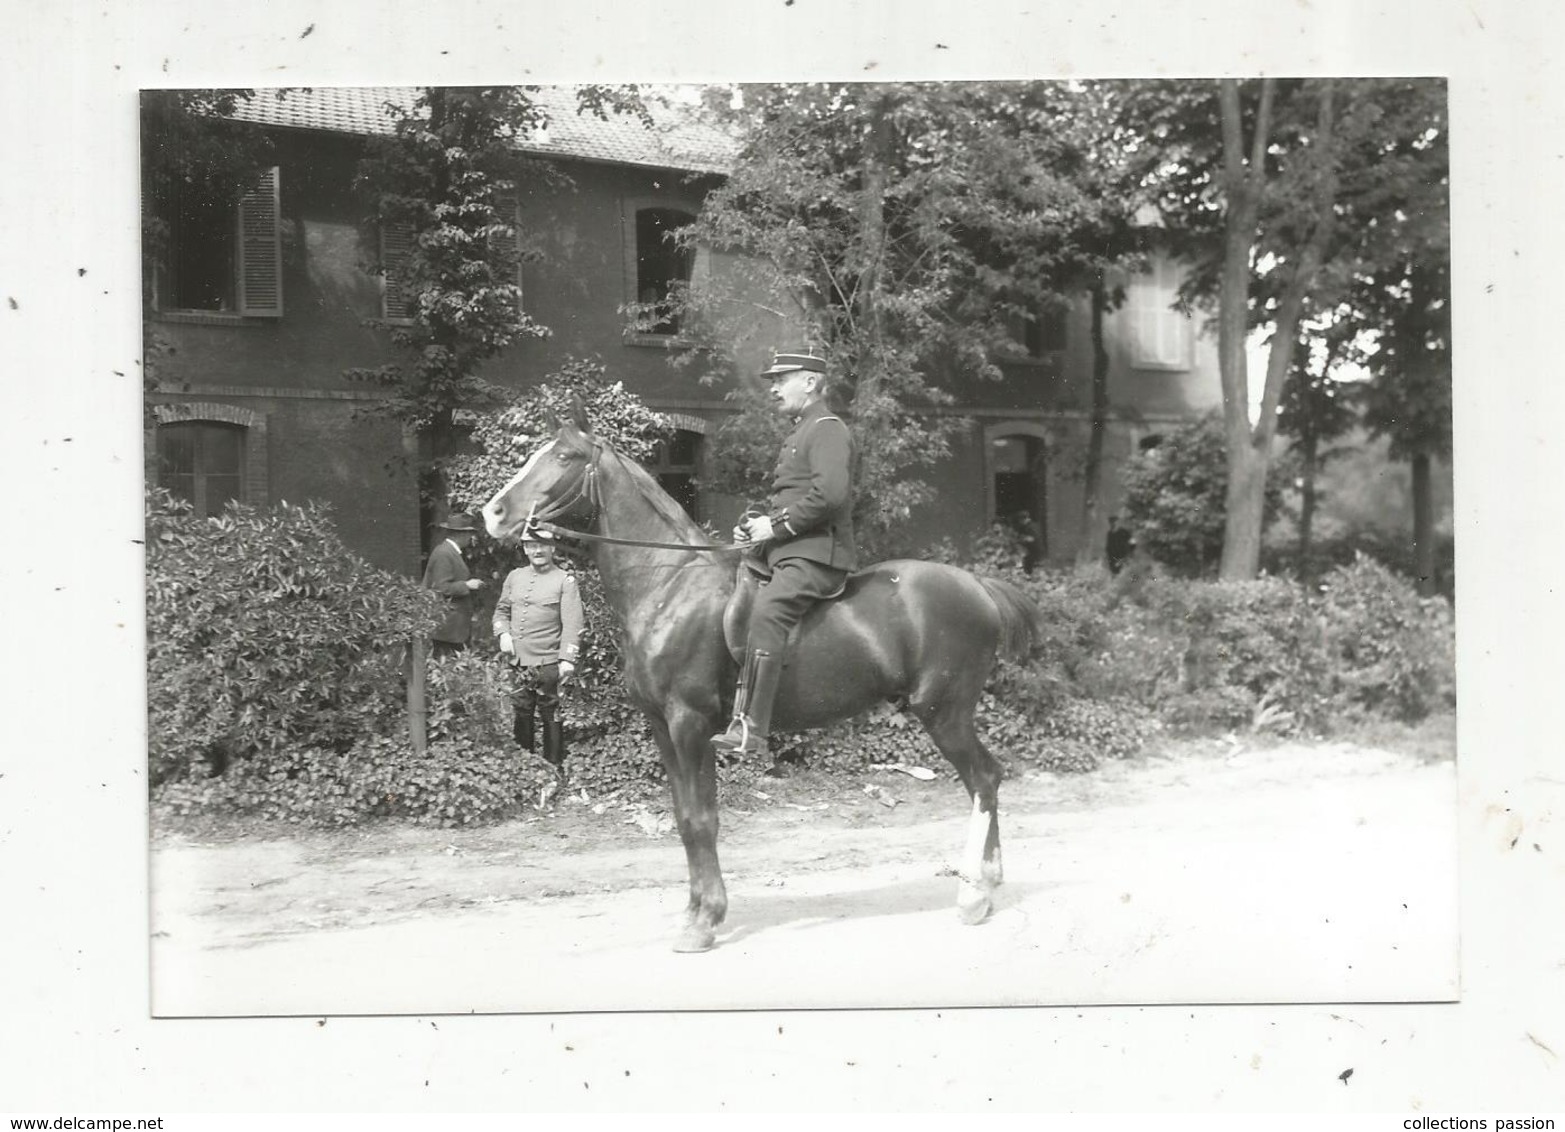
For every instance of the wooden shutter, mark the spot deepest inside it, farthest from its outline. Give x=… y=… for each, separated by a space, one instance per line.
x=260 y=250
x=396 y=245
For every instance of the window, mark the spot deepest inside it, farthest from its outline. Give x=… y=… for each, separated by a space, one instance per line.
x=1040 y=335
x=1160 y=337
x=662 y=266
x=202 y=462
x=674 y=464
x=222 y=257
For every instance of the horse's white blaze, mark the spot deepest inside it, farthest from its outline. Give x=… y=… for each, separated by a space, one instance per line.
x=491 y=509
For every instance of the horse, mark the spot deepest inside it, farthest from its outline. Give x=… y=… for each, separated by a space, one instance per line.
x=921 y=635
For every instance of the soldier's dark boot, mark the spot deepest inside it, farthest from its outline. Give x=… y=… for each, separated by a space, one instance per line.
x=522 y=730
x=753 y=697
x=554 y=742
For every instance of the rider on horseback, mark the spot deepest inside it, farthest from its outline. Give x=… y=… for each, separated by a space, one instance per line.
x=806 y=539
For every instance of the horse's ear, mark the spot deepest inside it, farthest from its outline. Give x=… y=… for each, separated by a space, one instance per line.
x=579 y=413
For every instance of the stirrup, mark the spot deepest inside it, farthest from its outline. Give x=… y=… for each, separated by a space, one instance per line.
x=747 y=742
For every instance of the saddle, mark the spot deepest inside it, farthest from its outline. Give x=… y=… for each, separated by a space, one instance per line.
x=751 y=575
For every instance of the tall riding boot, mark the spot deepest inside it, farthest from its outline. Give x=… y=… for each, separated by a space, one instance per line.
x=554 y=742
x=757 y=689
x=523 y=730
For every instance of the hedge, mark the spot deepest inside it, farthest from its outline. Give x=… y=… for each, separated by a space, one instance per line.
x=276 y=687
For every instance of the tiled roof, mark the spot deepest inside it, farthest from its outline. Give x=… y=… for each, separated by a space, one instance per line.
x=677 y=141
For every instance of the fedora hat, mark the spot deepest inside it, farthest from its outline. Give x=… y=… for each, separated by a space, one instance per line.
x=789 y=363
x=458 y=522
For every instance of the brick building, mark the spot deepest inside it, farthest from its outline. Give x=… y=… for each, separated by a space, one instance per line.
x=265 y=310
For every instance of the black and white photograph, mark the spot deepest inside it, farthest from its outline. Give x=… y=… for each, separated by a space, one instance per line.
x=550 y=487
x=597 y=581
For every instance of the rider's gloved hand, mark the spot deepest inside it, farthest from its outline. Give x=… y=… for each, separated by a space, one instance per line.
x=759 y=528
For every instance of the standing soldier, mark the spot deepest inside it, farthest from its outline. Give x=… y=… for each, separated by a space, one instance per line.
x=807 y=537
x=538 y=622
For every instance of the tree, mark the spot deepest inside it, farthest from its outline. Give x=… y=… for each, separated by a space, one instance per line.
x=909 y=228
x=1258 y=181
x=1107 y=179
x=506 y=436
x=1315 y=410
x=1410 y=399
x=446 y=182
x=1398 y=300
x=1244 y=174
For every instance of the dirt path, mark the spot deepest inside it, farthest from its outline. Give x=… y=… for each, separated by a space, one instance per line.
x=1293 y=873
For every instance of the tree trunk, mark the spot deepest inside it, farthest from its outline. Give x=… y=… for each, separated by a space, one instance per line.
x=1090 y=549
x=1423 y=525
x=1311 y=452
x=1241 y=537
x=1246 y=500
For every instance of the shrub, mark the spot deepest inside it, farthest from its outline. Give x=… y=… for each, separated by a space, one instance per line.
x=265 y=633
x=1393 y=550
x=1176 y=497
x=1393 y=651
x=1249 y=652
x=468 y=696
x=1115 y=728
x=1260 y=655
x=456 y=783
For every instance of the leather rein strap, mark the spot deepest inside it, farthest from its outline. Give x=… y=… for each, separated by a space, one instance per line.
x=567 y=532
x=587 y=488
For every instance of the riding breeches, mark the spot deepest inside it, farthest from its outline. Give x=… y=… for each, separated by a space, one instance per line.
x=536 y=687
x=796 y=584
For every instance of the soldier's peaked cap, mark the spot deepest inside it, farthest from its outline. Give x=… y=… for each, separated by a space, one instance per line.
x=788 y=363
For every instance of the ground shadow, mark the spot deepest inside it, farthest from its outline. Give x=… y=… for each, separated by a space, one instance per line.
x=754 y=912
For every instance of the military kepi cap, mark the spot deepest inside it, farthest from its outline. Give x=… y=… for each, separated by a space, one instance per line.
x=789 y=363
x=536 y=533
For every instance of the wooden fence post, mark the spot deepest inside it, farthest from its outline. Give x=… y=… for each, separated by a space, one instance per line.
x=418 y=711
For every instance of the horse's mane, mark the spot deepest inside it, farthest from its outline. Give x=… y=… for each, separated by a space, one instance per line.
x=666 y=506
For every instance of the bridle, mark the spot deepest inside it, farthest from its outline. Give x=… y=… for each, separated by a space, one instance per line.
x=587 y=489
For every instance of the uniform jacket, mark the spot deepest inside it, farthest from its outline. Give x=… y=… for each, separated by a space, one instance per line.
x=446 y=573
x=812 y=498
x=542 y=612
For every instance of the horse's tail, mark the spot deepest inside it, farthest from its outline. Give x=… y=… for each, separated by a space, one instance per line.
x=1021 y=621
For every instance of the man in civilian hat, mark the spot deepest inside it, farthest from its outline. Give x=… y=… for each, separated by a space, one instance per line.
x=446 y=573
x=806 y=537
x=537 y=621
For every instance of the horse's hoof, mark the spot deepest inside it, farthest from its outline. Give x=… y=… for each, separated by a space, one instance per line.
x=973 y=908
x=695 y=939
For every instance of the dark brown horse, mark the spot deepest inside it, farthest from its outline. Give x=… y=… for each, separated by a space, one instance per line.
x=918 y=634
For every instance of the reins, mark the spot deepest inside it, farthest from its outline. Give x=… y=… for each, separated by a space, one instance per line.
x=584 y=536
